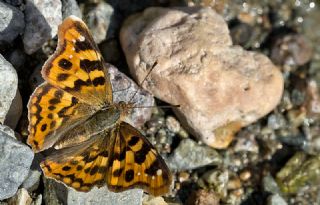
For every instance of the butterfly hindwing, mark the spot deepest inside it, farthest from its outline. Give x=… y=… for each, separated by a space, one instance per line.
x=51 y=112
x=82 y=166
x=134 y=163
x=77 y=65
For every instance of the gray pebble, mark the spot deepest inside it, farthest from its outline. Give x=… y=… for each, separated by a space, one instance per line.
x=276 y=199
x=14 y=2
x=70 y=7
x=98 y=20
x=15 y=161
x=190 y=155
x=42 y=19
x=270 y=185
x=11 y=23
x=8 y=88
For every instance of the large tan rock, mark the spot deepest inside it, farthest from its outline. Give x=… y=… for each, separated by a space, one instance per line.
x=220 y=87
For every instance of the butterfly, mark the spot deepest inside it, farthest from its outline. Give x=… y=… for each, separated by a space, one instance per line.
x=73 y=111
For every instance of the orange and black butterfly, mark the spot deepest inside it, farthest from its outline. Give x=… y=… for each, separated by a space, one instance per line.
x=73 y=111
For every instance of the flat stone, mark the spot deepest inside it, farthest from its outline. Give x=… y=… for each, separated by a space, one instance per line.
x=11 y=23
x=42 y=18
x=15 y=161
x=220 y=87
x=190 y=155
x=8 y=88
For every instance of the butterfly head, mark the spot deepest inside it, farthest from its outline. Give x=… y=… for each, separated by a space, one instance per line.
x=125 y=108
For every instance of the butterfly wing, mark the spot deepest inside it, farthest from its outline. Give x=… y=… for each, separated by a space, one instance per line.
x=134 y=162
x=77 y=65
x=82 y=166
x=51 y=113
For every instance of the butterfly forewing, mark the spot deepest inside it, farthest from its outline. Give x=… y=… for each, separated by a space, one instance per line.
x=77 y=65
x=133 y=162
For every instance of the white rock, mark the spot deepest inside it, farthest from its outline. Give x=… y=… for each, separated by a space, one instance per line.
x=219 y=87
x=8 y=88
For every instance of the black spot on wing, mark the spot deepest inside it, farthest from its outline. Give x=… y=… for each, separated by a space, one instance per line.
x=63 y=76
x=152 y=170
x=51 y=107
x=77 y=85
x=99 y=81
x=65 y=64
x=133 y=141
x=89 y=66
x=66 y=168
x=140 y=156
x=54 y=101
x=117 y=172
x=43 y=127
x=129 y=175
x=82 y=46
x=94 y=170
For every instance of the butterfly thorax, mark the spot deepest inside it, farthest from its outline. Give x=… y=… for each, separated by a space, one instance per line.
x=100 y=121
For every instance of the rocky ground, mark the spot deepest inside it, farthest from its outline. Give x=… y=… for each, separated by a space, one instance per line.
x=246 y=75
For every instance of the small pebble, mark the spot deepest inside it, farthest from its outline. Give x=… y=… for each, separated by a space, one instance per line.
x=245 y=175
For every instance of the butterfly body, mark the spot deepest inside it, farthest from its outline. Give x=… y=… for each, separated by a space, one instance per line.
x=74 y=112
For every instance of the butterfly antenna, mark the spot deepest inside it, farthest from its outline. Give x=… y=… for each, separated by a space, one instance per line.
x=140 y=85
x=160 y=106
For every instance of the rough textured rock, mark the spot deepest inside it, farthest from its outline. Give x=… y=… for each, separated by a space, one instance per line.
x=300 y=171
x=8 y=88
x=190 y=155
x=292 y=49
x=15 y=161
x=220 y=87
x=57 y=193
x=11 y=23
x=98 y=20
x=42 y=18
x=203 y=197
x=32 y=181
x=70 y=7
